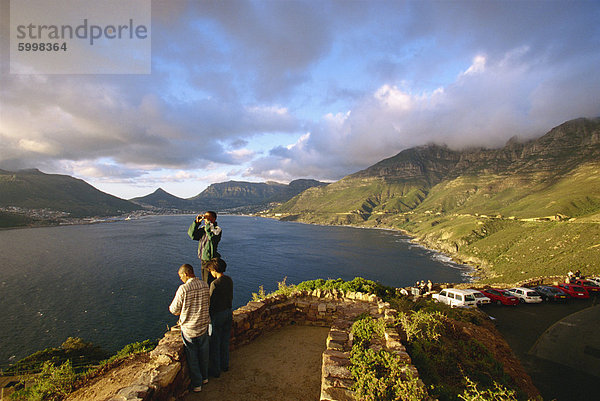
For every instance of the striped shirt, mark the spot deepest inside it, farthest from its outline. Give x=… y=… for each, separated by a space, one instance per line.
x=191 y=303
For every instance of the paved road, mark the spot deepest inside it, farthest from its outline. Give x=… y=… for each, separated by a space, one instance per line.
x=541 y=337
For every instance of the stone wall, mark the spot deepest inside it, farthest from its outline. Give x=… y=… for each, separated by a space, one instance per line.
x=166 y=378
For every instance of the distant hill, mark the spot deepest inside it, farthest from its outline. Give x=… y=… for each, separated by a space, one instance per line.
x=33 y=189
x=231 y=196
x=473 y=202
x=164 y=200
x=239 y=194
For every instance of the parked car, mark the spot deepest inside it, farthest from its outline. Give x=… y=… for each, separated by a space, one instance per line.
x=549 y=293
x=479 y=297
x=526 y=295
x=595 y=280
x=500 y=296
x=455 y=298
x=574 y=290
x=589 y=285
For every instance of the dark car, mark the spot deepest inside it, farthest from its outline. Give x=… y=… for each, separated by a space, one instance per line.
x=574 y=290
x=549 y=293
x=590 y=286
x=501 y=297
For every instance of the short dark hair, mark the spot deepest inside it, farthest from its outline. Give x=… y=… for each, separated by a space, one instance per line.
x=217 y=264
x=213 y=214
x=187 y=269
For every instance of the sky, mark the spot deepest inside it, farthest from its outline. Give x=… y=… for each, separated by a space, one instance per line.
x=280 y=90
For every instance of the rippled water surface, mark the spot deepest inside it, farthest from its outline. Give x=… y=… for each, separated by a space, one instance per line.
x=112 y=283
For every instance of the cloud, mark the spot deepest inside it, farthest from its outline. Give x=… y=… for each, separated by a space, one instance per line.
x=335 y=86
x=486 y=104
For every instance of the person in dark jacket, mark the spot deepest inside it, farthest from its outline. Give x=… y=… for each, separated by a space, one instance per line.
x=221 y=317
x=208 y=236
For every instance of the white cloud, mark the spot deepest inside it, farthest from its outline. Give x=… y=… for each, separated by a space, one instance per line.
x=477 y=67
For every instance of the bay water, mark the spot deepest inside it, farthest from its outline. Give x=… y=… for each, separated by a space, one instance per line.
x=112 y=283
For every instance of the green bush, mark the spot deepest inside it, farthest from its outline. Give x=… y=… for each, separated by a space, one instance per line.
x=420 y=325
x=379 y=374
x=358 y=284
x=52 y=383
x=498 y=393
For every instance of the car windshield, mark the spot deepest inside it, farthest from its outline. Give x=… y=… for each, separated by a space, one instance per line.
x=478 y=295
x=469 y=297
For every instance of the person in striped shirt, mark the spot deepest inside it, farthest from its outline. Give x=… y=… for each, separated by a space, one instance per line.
x=191 y=304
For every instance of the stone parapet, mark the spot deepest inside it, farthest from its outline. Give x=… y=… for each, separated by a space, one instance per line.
x=165 y=376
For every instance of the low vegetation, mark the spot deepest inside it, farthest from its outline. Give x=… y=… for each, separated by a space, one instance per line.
x=53 y=373
x=380 y=374
x=358 y=284
x=453 y=363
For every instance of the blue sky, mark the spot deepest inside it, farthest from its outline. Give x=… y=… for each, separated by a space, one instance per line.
x=280 y=90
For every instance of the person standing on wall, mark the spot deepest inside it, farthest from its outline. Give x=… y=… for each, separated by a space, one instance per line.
x=221 y=317
x=191 y=304
x=208 y=236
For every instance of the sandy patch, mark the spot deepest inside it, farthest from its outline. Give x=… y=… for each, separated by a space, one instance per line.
x=281 y=365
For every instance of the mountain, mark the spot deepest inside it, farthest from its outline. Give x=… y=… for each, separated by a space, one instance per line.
x=164 y=200
x=33 y=189
x=470 y=203
x=238 y=194
x=415 y=176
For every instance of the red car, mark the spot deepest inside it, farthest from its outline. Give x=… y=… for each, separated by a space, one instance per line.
x=501 y=297
x=574 y=290
x=590 y=286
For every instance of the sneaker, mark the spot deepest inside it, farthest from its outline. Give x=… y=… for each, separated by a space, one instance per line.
x=197 y=389
x=205 y=381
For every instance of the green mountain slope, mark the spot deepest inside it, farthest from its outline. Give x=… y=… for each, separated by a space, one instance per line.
x=478 y=204
x=33 y=189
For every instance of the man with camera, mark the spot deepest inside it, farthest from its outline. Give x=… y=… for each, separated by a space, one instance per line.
x=206 y=231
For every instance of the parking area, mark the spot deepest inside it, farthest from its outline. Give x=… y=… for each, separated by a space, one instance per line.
x=557 y=343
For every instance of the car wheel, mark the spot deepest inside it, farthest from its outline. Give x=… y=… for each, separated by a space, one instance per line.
x=521 y=300
x=499 y=302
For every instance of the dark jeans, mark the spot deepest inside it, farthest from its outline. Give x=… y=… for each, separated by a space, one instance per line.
x=196 y=351
x=219 y=342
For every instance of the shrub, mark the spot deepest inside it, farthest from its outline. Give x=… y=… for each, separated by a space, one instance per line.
x=420 y=325
x=53 y=383
x=358 y=284
x=379 y=374
x=499 y=393
x=260 y=295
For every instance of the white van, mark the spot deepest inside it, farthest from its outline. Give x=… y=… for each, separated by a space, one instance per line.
x=456 y=298
x=479 y=297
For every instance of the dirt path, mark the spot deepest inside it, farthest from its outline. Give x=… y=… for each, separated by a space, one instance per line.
x=281 y=365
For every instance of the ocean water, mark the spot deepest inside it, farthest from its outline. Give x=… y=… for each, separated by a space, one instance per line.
x=112 y=283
